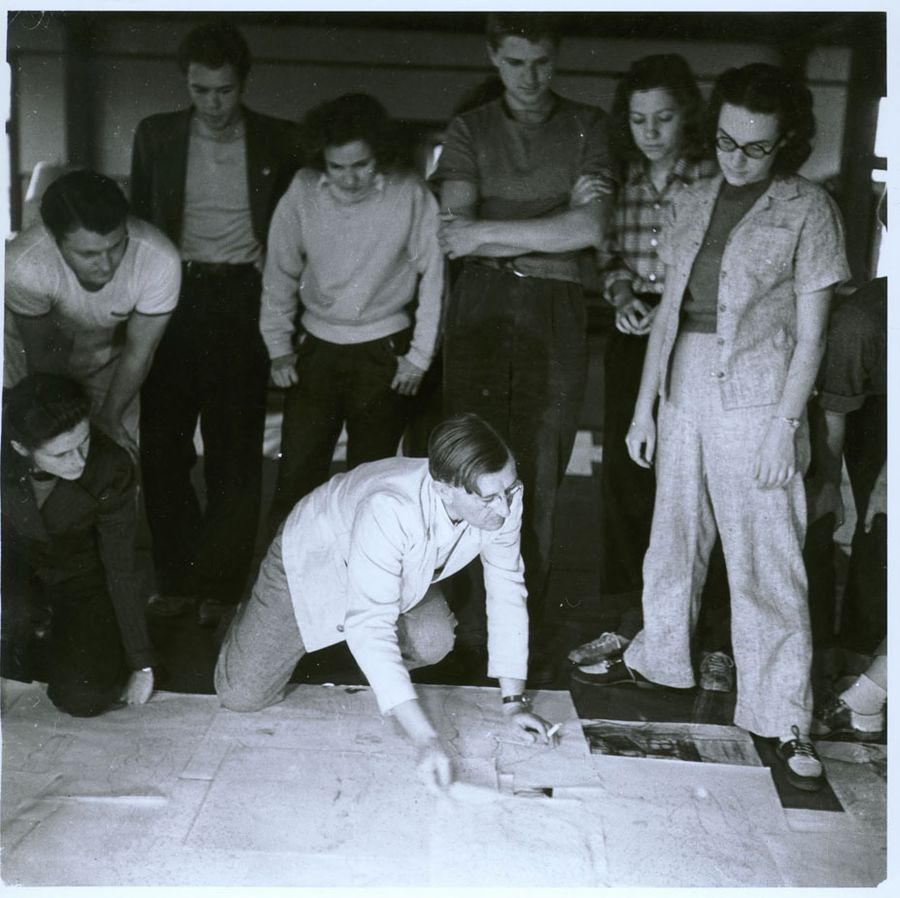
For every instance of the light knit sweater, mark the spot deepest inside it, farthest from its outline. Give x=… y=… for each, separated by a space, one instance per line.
x=354 y=266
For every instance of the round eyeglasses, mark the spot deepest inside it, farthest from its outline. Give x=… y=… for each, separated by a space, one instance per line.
x=508 y=494
x=727 y=144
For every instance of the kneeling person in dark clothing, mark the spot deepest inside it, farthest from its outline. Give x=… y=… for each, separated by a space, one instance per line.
x=68 y=512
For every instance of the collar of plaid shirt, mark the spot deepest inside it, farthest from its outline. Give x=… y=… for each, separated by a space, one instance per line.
x=683 y=170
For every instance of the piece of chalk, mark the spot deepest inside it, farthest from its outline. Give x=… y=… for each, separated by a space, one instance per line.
x=554 y=730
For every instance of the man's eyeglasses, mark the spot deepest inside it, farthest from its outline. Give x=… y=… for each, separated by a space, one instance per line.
x=508 y=494
x=727 y=144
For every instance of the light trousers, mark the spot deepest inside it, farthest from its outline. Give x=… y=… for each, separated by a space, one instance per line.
x=263 y=644
x=704 y=470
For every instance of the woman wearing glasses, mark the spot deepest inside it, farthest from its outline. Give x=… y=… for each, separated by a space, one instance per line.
x=752 y=258
x=658 y=136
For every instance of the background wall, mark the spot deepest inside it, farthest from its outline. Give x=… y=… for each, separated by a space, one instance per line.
x=81 y=82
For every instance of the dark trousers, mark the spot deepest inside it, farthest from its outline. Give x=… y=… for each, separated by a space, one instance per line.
x=515 y=353
x=627 y=489
x=85 y=665
x=863 y=616
x=211 y=363
x=338 y=384
x=864 y=609
x=628 y=492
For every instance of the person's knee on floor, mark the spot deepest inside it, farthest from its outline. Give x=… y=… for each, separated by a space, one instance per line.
x=239 y=693
x=240 y=698
x=82 y=699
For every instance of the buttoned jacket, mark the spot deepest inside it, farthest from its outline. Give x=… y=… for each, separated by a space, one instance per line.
x=363 y=549
x=84 y=528
x=791 y=242
x=159 y=168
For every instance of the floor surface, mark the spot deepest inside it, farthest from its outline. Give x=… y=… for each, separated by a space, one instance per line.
x=320 y=790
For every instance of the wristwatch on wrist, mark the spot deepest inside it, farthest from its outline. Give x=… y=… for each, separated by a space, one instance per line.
x=517 y=699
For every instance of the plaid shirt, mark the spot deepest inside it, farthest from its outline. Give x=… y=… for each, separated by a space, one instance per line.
x=629 y=251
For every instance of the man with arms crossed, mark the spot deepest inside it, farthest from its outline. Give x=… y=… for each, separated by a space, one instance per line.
x=357 y=559
x=515 y=344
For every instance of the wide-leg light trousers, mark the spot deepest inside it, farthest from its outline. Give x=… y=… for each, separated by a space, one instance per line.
x=704 y=469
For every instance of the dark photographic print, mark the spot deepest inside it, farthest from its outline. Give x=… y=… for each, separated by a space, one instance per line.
x=444 y=449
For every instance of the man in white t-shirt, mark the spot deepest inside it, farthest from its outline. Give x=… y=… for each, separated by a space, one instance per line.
x=89 y=292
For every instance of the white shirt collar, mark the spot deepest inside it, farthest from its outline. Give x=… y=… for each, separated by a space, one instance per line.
x=324 y=182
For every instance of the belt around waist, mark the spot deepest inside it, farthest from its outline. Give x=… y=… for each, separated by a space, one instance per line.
x=500 y=265
x=512 y=266
x=215 y=269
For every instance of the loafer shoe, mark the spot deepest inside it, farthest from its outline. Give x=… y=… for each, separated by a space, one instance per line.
x=604 y=646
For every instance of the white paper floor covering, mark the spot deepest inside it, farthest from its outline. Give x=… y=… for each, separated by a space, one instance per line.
x=320 y=790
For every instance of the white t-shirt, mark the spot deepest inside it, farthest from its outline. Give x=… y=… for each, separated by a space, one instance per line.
x=39 y=282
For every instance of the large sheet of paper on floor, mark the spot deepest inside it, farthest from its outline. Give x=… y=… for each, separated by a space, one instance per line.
x=320 y=790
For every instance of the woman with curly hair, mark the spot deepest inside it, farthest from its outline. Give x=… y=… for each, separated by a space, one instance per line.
x=353 y=243
x=752 y=258
x=659 y=142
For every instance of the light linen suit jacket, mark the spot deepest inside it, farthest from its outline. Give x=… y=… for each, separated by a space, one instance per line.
x=362 y=549
x=789 y=243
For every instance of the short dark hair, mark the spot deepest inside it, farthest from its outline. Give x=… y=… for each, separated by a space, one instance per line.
x=83 y=199
x=532 y=26
x=768 y=89
x=41 y=406
x=214 y=45
x=671 y=73
x=463 y=448
x=348 y=118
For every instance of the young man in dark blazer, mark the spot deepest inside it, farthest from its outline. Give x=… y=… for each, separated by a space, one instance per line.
x=209 y=177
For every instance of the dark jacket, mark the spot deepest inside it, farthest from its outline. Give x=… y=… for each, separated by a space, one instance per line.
x=159 y=168
x=85 y=528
